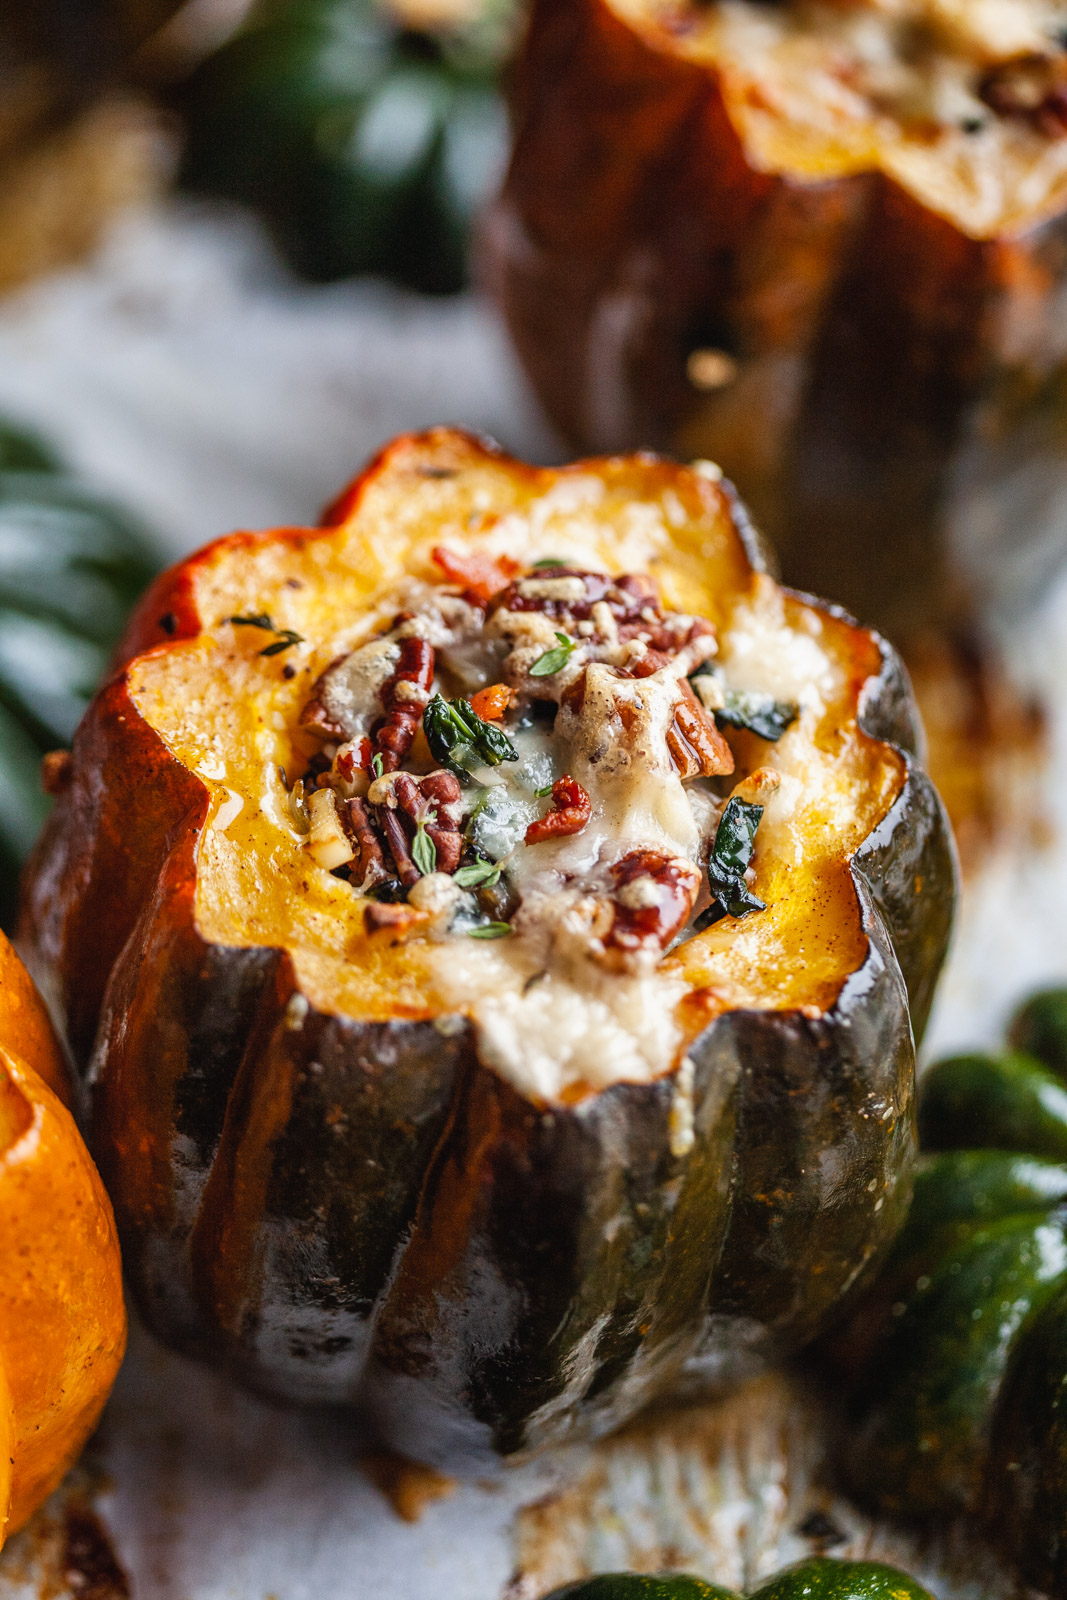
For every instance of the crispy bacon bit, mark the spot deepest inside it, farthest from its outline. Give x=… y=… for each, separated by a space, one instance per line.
x=491 y=703
x=654 y=898
x=573 y=809
x=481 y=574
x=697 y=747
x=369 y=867
x=403 y=708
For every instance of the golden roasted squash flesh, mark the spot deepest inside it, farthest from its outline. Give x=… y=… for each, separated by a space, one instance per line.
x=62 y=1319
x=961 y=102
x=510 y=838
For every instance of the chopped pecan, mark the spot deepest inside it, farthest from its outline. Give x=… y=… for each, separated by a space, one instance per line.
x=697 y=747
x=369 y=868
x=399 y=848
x=398 y=919
x=481 y=574
x=573 y=809
x=433 y=796
x=653 y=899
x=1033 y=88
x=404 y=697
x=567 y=594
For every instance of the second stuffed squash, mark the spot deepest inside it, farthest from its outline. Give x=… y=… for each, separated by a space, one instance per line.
x=494 y=924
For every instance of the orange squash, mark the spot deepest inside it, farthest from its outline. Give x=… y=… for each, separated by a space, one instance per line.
x=62 y=1318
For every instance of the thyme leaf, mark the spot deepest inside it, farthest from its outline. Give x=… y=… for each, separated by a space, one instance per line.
x=553 y=661
x=377 y=765
x=461 y=740
x=490 y=930
x=481 y=874
x=285 y=640
x=730 y=858
x=261 y=619
x=423 y=849
x=255 y=619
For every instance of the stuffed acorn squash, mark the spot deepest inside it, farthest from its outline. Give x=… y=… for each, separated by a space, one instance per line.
x=62 y=1320
x=822 y=243
x=489 y=924
x=960 y=1351
x=820 y=1579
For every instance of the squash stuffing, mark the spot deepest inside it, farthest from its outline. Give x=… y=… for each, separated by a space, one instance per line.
x=495 y=923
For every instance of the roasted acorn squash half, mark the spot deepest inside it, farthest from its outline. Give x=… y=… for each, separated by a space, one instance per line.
x=959 y=1353
x=822 y=244
x=62 y=1318
x=476 y=1029
x=819 y=1579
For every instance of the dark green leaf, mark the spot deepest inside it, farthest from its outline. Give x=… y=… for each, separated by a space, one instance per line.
x=759 y=713
x=460 y=740
x=731 y=855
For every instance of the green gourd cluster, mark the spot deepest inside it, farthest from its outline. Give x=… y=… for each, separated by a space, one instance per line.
x=71 y=565
x=820 y=1579
x=365 y=144
x=959 y=1353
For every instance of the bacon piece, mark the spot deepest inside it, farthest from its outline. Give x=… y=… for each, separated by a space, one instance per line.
x=653 y=900
x=491 y=703
x=395 y=736
x=697 y=747
x=481 y=574
x=573 y=809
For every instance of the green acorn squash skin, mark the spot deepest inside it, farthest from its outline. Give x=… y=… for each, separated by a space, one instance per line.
x=961 y=1346
x=365 y=146
x=819 y=1579
x=245 y=1134
x=71 y=566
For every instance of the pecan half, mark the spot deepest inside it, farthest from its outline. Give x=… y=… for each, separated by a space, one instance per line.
x=572 y=810
x=697 y=747
x=653 y=899
x=369 y=867
x=404 y=698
